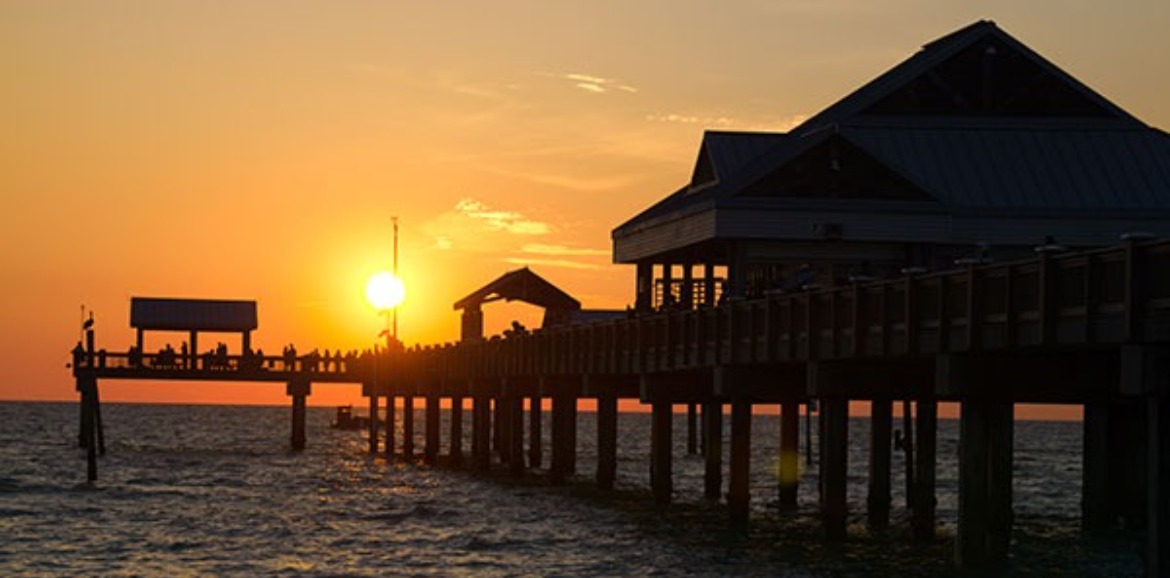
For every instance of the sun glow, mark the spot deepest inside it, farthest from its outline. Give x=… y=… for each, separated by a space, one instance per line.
x=385 y=291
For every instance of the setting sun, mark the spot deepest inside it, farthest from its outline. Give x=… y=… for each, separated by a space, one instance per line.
x=385 y=291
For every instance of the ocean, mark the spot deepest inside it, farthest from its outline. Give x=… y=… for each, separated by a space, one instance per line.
x=214 y=491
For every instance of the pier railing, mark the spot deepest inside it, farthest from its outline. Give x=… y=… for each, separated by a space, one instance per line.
x=1054 y=300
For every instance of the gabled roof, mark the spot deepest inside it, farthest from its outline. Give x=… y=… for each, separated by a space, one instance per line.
x=523 y=285
x=975 y=121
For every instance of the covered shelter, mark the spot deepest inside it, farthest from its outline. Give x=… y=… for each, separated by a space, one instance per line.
x=193 y=316
x=975 y=148
x=519 y=285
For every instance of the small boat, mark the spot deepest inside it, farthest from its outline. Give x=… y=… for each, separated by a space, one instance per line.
x=347 y=420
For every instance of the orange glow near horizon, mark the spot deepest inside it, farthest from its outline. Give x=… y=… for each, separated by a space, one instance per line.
x=233 y=150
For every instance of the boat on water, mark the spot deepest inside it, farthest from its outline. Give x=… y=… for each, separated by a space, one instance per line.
x=346 y=419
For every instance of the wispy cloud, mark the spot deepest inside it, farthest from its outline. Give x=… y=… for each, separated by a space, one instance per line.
x=763 y=124
x=497 y=220
x=564 y=263
x=593 y=83
x=548 y=249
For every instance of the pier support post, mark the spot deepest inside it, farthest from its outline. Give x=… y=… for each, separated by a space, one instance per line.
x=389 y=425
x=739 y=480
x=660 y=450
x=481 y=418
x=878 y=500
x=834 y=464
x=713 y=450
x=408 y=427
x=298 y=389
x=87 y=437
x=455 y=453
x=985 y=460
x=515 y=440
x=692 y=429
x=373 y=427
x=535 y=434
x=564 y=436
x=923 y=488
x=1158 y=487
x=789 y=454
x=1098 y=512
x=607 y=428
x=431 y=451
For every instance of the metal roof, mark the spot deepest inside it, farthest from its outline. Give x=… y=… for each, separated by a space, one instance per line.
x=166 y=314
x=1027 y=169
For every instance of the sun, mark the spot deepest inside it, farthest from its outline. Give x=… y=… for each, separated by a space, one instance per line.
x=385 y=291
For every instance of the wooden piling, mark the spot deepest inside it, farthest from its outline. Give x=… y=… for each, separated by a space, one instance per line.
x=298 y=389
x=1098 y=512
x=692 y=429
x=431 y=450
x=390 y=421
x=515 y=413
x=739 y=480
x=481 y=432
x=660 y=453
x=834 y=466
x=878 y=499
x=373 y=427
x=713 y=450
x=984 y=529
x=535 y=456
x=789 y=454
x=564 y=436
x=923 y=488
x=1158 y=486
x=455 y=445
x=607 y=429
x=408 y=427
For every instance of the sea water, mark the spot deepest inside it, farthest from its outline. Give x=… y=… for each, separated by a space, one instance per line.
x=214 y=491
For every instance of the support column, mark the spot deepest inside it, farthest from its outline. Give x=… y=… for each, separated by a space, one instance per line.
x=985 y=517
x=713 y=455
x=431 y=451
x=878 y=501
x=660 y=447
x=923 y=509
x=455 y=453
x=564 y=437
x=834 y=463
x=789 y=454
x=373 y=427
x=1158 y=486
x=607 y=428
x=298 y=389
x=408 y=427
x=692 y=429
x=1097 y=511
x=535 y=434
x=481 y=432
x=515 y=412
x=499 y=423
x=739 y=481
x=390 y=420
x=86 y=386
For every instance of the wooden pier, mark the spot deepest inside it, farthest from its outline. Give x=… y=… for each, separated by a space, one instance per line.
x=1089 y=328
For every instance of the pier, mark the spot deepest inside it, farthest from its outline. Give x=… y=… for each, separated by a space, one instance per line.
x=1090 y=328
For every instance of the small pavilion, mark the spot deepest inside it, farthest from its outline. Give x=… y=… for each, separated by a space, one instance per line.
x=519 y=285
x=976 y=148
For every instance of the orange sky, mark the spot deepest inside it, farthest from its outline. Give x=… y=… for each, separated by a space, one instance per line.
x=258 y=150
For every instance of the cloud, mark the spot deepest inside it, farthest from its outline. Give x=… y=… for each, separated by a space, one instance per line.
x=594 y=84
x=565 y=263
x=495 y=220
x=548 y=249
x=781 y=124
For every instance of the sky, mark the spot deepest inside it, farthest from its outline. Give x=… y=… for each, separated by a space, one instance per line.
x=260 y=149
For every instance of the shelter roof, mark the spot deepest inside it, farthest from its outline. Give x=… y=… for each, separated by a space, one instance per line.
x=166 y=314
x=523 y=285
